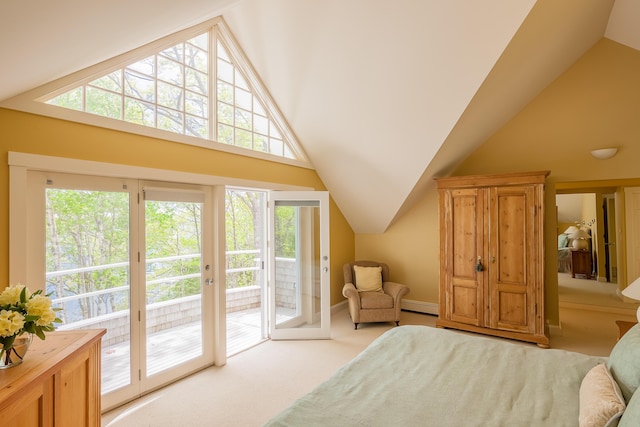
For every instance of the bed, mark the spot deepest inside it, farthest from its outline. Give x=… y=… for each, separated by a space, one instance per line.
x=423 y=376
x=564 y=254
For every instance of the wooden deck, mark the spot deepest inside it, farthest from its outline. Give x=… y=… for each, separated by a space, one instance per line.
x=167 y=347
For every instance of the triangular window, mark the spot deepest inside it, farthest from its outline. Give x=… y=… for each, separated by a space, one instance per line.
x=201 y=86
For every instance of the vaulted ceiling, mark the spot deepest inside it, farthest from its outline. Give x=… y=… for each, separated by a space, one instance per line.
x=384 y=95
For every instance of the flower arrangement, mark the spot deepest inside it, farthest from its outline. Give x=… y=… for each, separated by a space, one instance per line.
x=24 y=312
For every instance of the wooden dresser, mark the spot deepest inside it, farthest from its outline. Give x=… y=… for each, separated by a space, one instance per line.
x=492 y=255
x=58 y=384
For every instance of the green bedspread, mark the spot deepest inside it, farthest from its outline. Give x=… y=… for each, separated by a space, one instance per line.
x=422 y=376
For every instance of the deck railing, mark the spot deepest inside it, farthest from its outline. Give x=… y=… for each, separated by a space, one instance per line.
x=182 y=310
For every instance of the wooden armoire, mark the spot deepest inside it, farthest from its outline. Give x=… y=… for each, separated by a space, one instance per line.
x=492 y=255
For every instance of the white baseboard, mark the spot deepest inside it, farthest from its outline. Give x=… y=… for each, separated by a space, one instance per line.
x=407 y=304
x=420 y=306
x=339 y=306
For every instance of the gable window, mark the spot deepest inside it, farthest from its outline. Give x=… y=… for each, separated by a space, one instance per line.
x=198 y=85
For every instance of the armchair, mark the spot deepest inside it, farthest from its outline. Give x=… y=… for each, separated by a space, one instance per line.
x=376 y=299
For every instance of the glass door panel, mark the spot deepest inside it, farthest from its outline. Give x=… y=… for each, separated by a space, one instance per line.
x=299 y=285
x=87 y=243
x=245 y=214
x=173 y=278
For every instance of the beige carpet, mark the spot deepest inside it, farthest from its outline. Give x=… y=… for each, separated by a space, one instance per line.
x=258 y=383
x=593 y=295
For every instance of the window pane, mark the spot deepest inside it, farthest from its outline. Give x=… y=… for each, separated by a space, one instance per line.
x=197 y=105
x=240 y=81
x=260 y=143
x=243 y=99
x=225 y=71
x=170 y=120
x=145 y=66
x=225 y=92
x=196 y=58
x=139 y=112
x=202 y=41
x=275 y=146
x=222 y=52
x=139 y=86
x=107 y=104
x=197 y=126
x=260 y=124
x=112 y=82
x=243 y=139
x=170 y=96
x=243 y=119
x=258 y=108
x=274 y=133
x=225 y=113
x=225 y=134
x=170 y=71
x=174 y=52
x=288 y=153
x=196 y=81
x=71 y=99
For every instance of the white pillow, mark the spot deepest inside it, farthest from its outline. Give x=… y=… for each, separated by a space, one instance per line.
x=601 y=401
x=368 y=279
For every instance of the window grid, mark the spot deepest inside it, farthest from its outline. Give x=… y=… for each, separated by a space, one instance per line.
x=180 y=89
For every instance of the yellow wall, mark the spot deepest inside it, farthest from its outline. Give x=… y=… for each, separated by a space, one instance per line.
x=34 y=134
x=594 y=104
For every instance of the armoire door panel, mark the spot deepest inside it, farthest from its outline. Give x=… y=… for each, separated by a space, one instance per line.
x=511 y=236
x=466 y=242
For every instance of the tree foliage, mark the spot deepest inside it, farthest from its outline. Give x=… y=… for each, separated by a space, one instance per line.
x=88 y=247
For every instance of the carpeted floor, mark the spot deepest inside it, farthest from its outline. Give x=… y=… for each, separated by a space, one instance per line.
x=598 y=296
x=258 y=383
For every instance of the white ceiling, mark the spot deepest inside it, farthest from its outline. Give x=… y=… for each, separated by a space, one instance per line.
x=383 y=94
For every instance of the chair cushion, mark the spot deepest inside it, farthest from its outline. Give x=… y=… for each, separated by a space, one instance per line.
x=369 y=300
x=368 y=279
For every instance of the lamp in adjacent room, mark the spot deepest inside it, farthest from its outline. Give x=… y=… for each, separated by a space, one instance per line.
x=578 y=237
x=633 y=291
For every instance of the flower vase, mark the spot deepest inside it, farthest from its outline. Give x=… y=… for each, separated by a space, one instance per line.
x=14 y=355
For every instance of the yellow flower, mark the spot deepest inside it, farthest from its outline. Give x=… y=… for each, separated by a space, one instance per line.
x=11 y=295
x=10 y=322
x=38 y=305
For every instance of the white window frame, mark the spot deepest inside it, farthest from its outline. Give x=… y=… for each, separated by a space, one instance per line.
x=33 y=101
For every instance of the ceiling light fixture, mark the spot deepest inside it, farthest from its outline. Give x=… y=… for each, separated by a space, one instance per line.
x=604 y=153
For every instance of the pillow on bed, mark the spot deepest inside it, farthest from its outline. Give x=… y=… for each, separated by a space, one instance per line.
x=368 y=279
x=563 y=241
x=632 y=413
x=624 y=362
x=601 y=402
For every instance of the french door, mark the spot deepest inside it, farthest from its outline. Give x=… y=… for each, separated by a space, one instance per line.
x=129 y=256
x=299 y=285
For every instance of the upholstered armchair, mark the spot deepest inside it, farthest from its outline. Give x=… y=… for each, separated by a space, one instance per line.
x=372 y=297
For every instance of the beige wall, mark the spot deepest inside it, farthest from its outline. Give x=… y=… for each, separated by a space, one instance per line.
x=29 y=133
x=594 y=104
